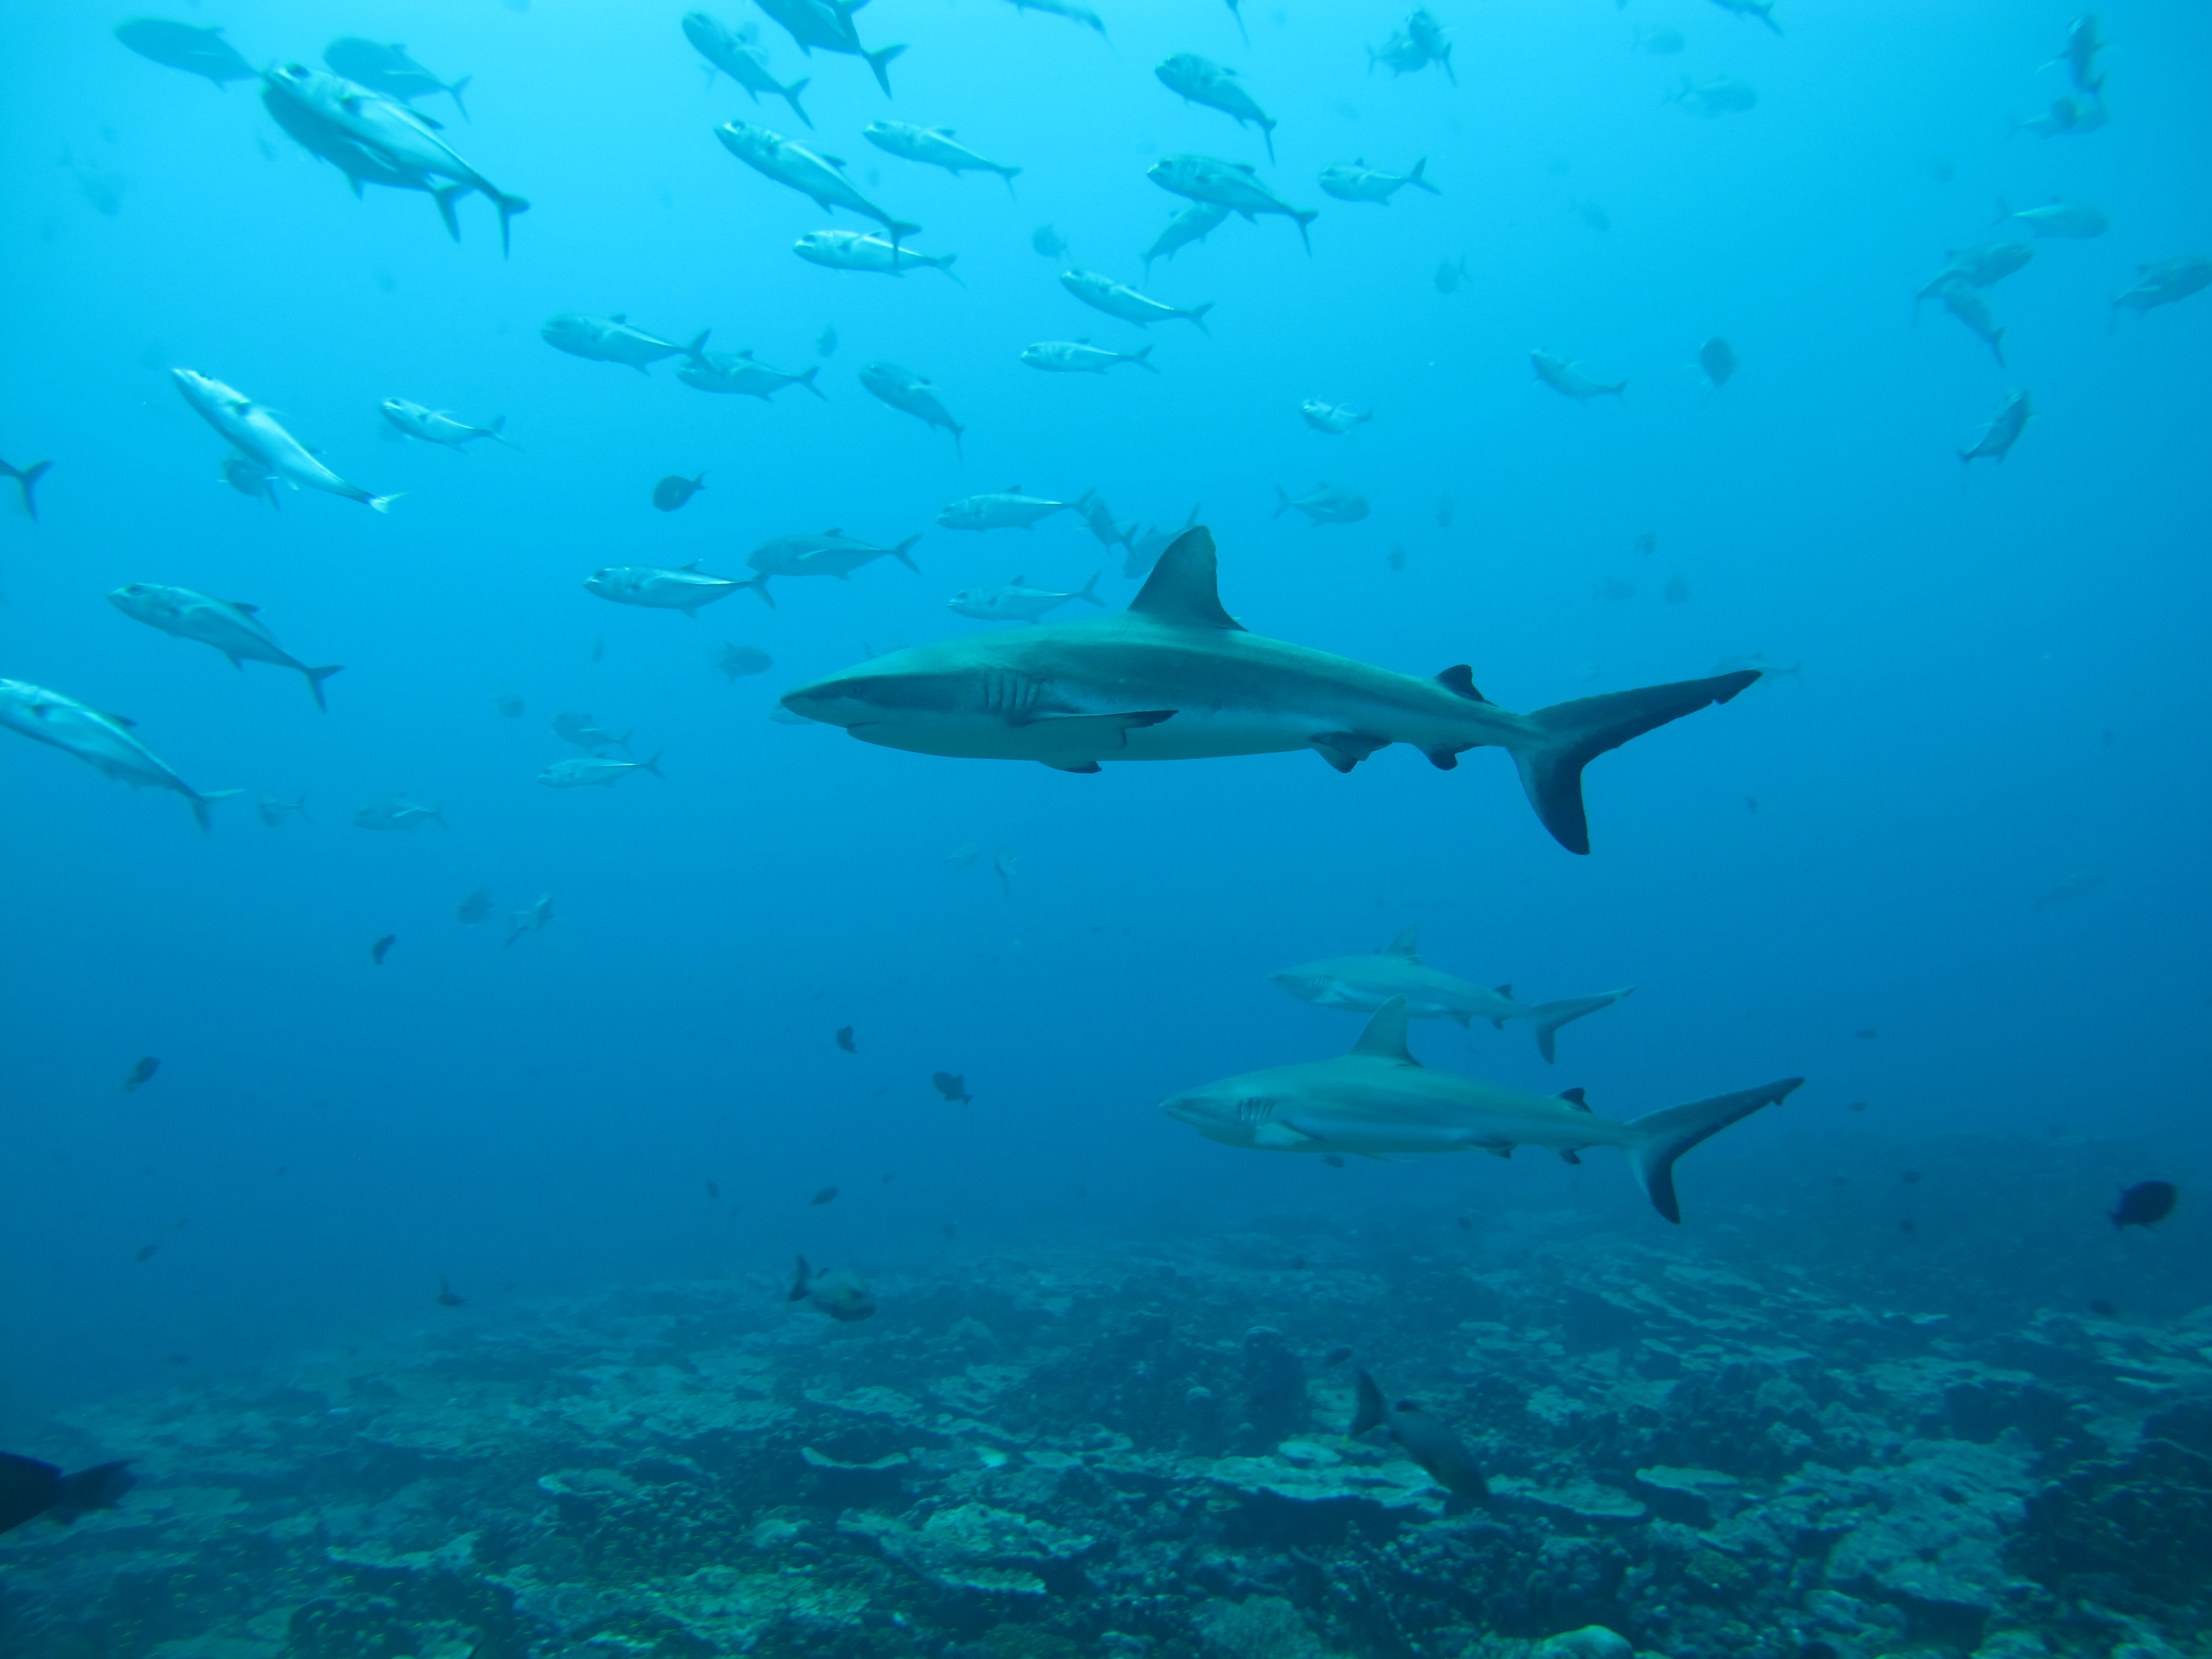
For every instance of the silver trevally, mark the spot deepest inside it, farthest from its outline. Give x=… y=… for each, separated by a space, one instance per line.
x=1016 y=601
x=911 y=394
x=1355 y=181
x=398 y=812
x=1202 y=81
x=1325 y=503
x=102 y=741
x=1983 y=265
x=832 y=553
x=1964 y=301
x=1416 y=43
x=249 y=477
x=742 y=371
x=1762 y=10
x=587 y=733
x=1232 y=185
x=745 y=65
x=1007 y=509
x=1117 y=299
x=1067 y=9
x=2083 y=43
x=828 y=24
x=1997 y=436
x=685 y=588
x=186 y=47
x=1562 y=377
x=1722 y=95
x=932 y=147
x=1339 y=418
x=863 y=249
x=406 y=135
x=531 y=920
x=361 y=163
x=613 y=340
x=580 y=771
x=435 y=426
x=2067 y=114
x=390 y=70
x=1362 y=985
x=257 y=434
x=2162 y=285
x=1081 y=357
x=2077 y=220
x=231 y=626
x=1191 y=224
x=1378 y=1100
x=1177 y=678
x=821 y=178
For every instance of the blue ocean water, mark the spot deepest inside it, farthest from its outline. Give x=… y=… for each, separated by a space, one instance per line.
x=1949 y=870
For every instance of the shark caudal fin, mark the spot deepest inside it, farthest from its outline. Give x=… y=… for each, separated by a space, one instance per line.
x=1665 y=1136
x=1566 y=737
x=1545 y=1019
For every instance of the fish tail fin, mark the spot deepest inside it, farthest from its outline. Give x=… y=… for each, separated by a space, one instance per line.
x=497 y=431
x=1267 y=135
x=200 y=800
x=1283 y=502
x=1372 y=1408
x=2004 y=211
x=958 y=448
x=454 y=93
x=903 y=554
x=759 y=585
x=1143 y=357
x=798 y=1293
x=1007 y=173
x=697 y=351
x=508 y=206
x=1443 y=58
x=438 y=816
x=1663 y=1137
x=1414 y=177
x=944 y=265
x=1303 y=219
x=879 y=61
x=1997 y=345
x=1618 y=389
x=315 y=678
x=652 y=764
x=26 y=479
x=1197 y=314
x=381 y=503
x=1545 y=1017
x=808 y=380
x=1089 y=591
x=1560 y=741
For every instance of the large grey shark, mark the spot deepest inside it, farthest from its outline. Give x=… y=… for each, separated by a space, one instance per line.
x=1378 y=1100
x=1364 y=984
x=1177 y=678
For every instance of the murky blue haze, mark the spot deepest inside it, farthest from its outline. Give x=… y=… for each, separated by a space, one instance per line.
x=1836 y=875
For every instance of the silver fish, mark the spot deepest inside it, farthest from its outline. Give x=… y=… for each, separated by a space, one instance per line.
x=231 y=626
x=103 y=742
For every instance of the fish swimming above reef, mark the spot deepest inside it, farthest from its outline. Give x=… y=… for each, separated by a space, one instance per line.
x=2083 y=42
x=361 y=163
x=2146 y=1204
x=840 y=1294
x=828 y=24
x=231 y=626
x=1339 y=418
x=1997 y=436
x=200 y=51
x=1983 y=265
x=29 y=1489
x=390 y=70
x=952 y=1087
x=273 y=810
x=1201 y=81
x=2077 y=221
x=1722 y=95
x=582 y=771
x=587 y=733
x=1177 y=678
x=1451 y=275
x=530 y=920
x=745 y=65
x=1416 y=43
x=381 y=949
x=141 y=1073
x=820 y=178
x=474 y=909
x=1762 y=10
x=1965 y=302
x=911 y=394
x=1005 y=509
x=1717 y=358
x=1191 y=224
x=1081 y=357
x=398 y=812
x=1232 y=185
x=259 y=435
x=1568 y=380
x=1144 y=548
x=1422 y=1437
x=1067 y=9
x=652 y=587
x=612 y=340
x=103 y=742
x=1364 y=985
x=2068 y=117
x=1016 y=601
x=1378 y=1100
x=932 y=147
x=1325 y=503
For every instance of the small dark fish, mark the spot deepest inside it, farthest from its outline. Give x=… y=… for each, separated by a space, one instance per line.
x=475 y=909
x=1467 y=1224
x=1718 y=359
x=142 y=1072
x=1396 y=559
x=1868 y=1032
x=29 y=1489
x=1337 y=1356
x=714 y=1192
x=672 y=491
x=446 y=1297
x=1647 y=542
x=736 y=662
x=146 y=1252
x=1450 y=274
x=2145 y=1203
x=508 y=704
x=1751 y=803
x=844 y=1042
x=1426 y=1440
x=953 y=1088
x=1447 y=507
x=27 y=482
x=1047 y=242
x=1908 y=1226
x=1333 y=1160
x=843 y=1296
x=825 y=344
x=824 y=1196
x=1912 y=1177
x=377 y=952
x=200 y=51
x=1677 y=591
x=2103 y=1309
x=1856 y=1106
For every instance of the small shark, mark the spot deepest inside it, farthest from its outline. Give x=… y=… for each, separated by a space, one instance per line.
x=1378 y=1100
x=1364 y=984
x=1177 y=678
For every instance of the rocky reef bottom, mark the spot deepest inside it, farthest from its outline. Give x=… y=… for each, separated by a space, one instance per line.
x=1139 y=1450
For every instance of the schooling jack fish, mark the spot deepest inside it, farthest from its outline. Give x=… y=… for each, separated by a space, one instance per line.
x=257 y=434
x=102 y=741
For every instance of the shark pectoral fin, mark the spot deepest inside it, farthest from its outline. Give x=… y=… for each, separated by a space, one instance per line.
x=1280 y=1137
x=1068 y=740
x=1495 y=1148
x=1073 y=766
x=1346 y=749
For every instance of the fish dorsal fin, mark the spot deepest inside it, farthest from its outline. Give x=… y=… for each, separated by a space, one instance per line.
x=1574 y=1098
x=689 y=564
x=746 y=352
x=1407 y=944
x=1182 y=589
x=240 y=605
x=1385 y=1035
x=1459 y=680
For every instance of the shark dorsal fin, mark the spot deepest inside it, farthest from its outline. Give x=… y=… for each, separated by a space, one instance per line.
x=1017 y=582
x=1181 y=589
x=1385 y=1035
x=1505 y=991
x=1459 y=680
x=1574 y=1098
x=1407 y=944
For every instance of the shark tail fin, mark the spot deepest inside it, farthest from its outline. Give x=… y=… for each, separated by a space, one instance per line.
x=904 y=553
x=1373 y=1409
x=791 y=97
x=1566 y=737
x=1545 y=1017
x=315 y=678
x=1664 y=1136
x=879 y=61
x=1089 y=591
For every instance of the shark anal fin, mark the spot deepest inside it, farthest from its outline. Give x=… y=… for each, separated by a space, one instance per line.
x=1444 y=760
x=1346 y=749
x=1073 y=766
x=1568 y=1155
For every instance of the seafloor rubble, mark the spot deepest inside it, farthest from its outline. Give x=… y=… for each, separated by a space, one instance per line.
x=1140 y=1452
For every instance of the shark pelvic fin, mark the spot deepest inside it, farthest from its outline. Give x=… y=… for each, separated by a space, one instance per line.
x=1183 y=590
x=1385 y=1035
